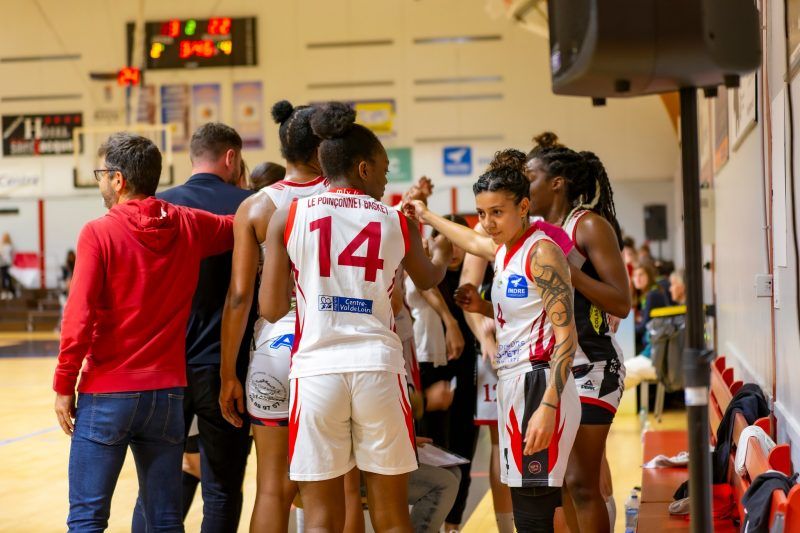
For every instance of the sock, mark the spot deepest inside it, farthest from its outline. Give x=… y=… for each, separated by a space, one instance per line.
x=301 y=520
x=188 y=489
x=505 y=522
x=611 y=505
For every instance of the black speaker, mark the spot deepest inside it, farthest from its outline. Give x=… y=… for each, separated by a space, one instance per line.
x=655 y=222
x=606 y=48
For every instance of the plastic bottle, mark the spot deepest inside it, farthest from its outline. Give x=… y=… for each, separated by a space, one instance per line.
x=631 y=512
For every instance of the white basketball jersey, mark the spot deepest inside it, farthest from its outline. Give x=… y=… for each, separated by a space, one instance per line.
x=524 y=333
x=284 y=192
x=345 y=249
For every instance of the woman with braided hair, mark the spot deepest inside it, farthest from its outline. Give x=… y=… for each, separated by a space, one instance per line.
x=572 y=190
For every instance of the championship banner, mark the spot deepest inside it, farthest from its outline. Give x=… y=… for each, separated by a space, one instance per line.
x=205 y=103
x=175 y=110
x=35 y=135
x=248 y=120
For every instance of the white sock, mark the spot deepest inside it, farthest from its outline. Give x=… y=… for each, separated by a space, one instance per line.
x=611 y=505
x=505 y=522
x=301 y=522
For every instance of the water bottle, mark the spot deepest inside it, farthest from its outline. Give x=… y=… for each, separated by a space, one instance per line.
x=631 y=512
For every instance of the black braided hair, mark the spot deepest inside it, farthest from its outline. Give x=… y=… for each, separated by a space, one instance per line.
x=298 y=142
x=344 y=143
x=505 y=173
x=583 y=173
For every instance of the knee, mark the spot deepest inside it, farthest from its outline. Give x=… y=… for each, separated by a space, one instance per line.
x=582 y=489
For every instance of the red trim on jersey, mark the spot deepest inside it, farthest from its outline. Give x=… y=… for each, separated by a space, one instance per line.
x=315 y=181
x=575 y=232
x=485 y=422
x=294 y=418
x=406 y=407
x=599 y=403
x=347 y=190
x=287 y=231
x=516 y=438
x=404 y=229
x=517 y=245
x=552 y=450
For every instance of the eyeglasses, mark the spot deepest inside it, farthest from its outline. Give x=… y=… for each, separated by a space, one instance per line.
x=98 y=173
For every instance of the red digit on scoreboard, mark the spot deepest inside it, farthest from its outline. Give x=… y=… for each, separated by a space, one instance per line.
x=225 y=26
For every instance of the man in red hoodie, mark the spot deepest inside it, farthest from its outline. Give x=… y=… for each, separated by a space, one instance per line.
x=124 y=331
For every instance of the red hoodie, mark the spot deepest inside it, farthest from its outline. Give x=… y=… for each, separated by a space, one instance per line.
x=135 y=275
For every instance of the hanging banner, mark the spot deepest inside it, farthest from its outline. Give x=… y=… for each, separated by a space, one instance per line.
x=175 y=110
x=377 y=115
x=34 y=135
x=205 y=104
x=146 y=105
x=248 y=120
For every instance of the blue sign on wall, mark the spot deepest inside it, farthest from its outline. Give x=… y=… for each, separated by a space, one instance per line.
x=457 y=160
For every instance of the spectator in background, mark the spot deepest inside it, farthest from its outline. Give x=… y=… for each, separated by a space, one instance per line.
x=216 y=154
x=6 y=260
x=67 y=269
x=265 y=174
x=129 y=302
x=629 y=254
x=645 y=255
x=650 y=295
x=677 y=287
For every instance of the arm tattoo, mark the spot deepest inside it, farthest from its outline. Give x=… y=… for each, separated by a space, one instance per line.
x=551 y=274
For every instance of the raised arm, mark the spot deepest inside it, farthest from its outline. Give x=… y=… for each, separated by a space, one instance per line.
x=612 y=293
x=424 y=272
x=550 y=272
x=274 y=295
x=249 y=229
x=462 y=236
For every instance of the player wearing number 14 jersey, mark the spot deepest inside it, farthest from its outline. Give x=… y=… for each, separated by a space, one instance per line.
x=348 y=397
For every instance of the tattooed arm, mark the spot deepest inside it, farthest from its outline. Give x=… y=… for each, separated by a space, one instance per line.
x=550 y=271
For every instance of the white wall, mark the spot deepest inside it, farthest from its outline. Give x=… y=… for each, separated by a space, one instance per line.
x=633 y=137
x=630 y=197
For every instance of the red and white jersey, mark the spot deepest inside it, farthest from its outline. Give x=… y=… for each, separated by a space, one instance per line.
x=284 y=192
x=524 y=333
x=345 y=248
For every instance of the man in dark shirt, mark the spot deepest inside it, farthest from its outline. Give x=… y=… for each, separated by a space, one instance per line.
x=215 y=152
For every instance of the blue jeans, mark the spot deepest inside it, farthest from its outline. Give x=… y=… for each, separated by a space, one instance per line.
x=151 y=423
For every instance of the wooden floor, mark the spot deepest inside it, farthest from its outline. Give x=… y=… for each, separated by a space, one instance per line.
x=34 y=452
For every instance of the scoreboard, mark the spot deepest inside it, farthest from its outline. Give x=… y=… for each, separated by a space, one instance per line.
x=193 y=43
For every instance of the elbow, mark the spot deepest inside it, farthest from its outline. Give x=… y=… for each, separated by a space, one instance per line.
x=621 y=310
x=273 y=311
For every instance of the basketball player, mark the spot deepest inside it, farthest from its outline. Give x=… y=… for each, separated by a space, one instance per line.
x=538 y=404
x=349 y=402
x=266 y=391
x=572 y=190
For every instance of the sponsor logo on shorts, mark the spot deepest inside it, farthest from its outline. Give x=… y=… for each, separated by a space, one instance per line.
x=535 y=467
x=343 y=304
x=588 y=385
x=282 y=341
x=266 y=392
x=517 y=286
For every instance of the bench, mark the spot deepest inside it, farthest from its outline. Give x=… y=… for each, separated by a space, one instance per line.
x=659 y=485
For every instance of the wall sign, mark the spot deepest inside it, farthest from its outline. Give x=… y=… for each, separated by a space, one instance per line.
x=34 y=135
x=457 y=160
x=399 y=165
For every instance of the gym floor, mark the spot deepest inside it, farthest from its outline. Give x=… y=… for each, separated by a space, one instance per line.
x=34 y=452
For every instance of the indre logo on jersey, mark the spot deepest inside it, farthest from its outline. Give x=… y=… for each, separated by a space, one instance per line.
x=342 y=304
x=517 y=286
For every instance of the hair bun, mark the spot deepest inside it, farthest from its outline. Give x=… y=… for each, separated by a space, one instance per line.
x=508 y=159
x=281 y=111
x=548 y=139
x=333 y=120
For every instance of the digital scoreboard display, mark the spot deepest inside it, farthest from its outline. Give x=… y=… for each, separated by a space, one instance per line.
x=193 y=43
